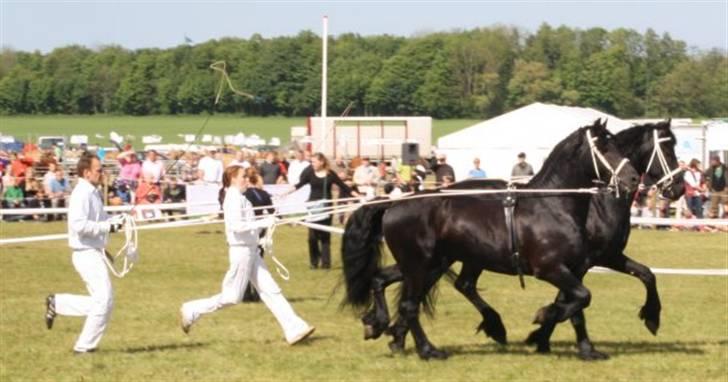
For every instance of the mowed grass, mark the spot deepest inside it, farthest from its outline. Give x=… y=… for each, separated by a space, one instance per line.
x=170 y=127
x=144 y=341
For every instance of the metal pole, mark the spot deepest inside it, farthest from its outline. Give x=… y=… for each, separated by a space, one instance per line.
x=324 y=70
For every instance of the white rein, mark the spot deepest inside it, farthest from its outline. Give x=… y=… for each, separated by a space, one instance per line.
x=130 y=249
x=657 y=153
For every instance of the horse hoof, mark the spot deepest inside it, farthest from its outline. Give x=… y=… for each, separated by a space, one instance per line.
x=593 y=355
x=494 y=330
x=433 y=354
x=543 y=349
x=533 y=338
x=369 y=333
x=652 y=321
x=396 y=347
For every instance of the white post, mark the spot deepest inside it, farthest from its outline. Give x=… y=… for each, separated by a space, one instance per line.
x=324 y=69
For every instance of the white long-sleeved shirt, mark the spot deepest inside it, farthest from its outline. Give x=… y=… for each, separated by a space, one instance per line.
x=87 y=221
x=241 y=227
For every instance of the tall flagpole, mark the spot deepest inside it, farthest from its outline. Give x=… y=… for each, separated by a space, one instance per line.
x=324 y=70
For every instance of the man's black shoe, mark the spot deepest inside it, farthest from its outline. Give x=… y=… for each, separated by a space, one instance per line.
x=50 y=314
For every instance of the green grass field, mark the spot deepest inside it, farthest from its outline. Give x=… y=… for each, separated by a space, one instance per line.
x=169 y=127
x=144 y=342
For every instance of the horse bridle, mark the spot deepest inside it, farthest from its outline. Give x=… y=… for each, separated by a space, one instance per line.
x=669 y=175
x=597 y=155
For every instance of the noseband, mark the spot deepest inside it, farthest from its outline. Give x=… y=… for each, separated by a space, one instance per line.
x=597 y=155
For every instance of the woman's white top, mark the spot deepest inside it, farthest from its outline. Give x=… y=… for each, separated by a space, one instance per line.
x=87 y=221
x=241 y=226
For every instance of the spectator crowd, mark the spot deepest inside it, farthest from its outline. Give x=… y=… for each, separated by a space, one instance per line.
x=35 y=178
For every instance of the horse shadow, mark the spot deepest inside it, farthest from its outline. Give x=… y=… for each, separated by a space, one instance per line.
x=164 y=347
x=568 y=349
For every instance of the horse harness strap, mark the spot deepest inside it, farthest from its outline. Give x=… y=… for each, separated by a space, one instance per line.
x=509 y=205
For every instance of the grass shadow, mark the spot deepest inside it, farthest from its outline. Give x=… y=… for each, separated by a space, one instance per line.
x=165 y=347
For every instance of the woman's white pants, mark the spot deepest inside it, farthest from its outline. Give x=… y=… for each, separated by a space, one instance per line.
x=97 y=306
x=247 y=265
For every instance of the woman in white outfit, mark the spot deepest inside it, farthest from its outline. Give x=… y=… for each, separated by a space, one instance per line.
x=241 y=229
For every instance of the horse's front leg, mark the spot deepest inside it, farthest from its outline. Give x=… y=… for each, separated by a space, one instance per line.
x=650 y=311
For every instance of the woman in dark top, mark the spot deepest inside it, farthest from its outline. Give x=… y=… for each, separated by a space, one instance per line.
x=320 y=177
x=258 y=197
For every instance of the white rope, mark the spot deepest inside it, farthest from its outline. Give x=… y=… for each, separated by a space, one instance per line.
x=130 y=249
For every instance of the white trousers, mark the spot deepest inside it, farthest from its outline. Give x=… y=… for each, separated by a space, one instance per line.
x=247 y=265
x=97 y=306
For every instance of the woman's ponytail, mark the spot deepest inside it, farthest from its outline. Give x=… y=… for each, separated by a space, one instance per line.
x=227 y=175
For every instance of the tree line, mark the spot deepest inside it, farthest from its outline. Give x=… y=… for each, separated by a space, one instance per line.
x=472 y=73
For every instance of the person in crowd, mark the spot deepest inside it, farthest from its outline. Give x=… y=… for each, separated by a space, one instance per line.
x=442 y=169
x=129 y=172
x=239 y=160
x=296 y=167
x=209 y=168
x=174 y=192
x=188 y=168
x=320 y=178
x=18 y=167
x=88 y=230
x=59 y=189
x=270 y=171
x=242 y=232
x=365 y=177
x=716 y=179
x=148 y=192
x=153 y=168
x=13 y=197
x=521 y=168
x=49 y=176
x=476 y=172
x=694 y=188
x=446 y=181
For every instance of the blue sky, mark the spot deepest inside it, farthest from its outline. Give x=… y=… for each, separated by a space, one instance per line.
x=44 y=25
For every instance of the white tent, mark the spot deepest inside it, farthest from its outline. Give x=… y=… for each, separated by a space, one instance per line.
x=534 y=129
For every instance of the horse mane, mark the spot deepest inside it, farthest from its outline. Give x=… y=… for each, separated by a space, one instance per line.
x=562 y=156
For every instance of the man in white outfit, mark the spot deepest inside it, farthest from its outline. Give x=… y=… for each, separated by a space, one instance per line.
x=246 y=265
x=296 y=167
x=88 y=231
x=210 y=169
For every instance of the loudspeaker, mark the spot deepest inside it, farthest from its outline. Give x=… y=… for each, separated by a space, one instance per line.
x=410 y=153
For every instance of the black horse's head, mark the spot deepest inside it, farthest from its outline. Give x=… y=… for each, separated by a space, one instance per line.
x=588 y=155
x=651 y=148
x=611 y=166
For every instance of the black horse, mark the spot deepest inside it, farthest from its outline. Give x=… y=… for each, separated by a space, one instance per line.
x=650 y=148
x=426 y=236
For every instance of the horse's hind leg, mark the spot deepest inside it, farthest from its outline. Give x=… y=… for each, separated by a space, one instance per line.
x=399 y=329
x=409 y=309
x=492 y=325
x=650 y=311
x=376 y=320
x=541 y=337
x=576 y=297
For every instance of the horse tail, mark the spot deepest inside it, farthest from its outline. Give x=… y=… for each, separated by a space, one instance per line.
x=361 y=253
